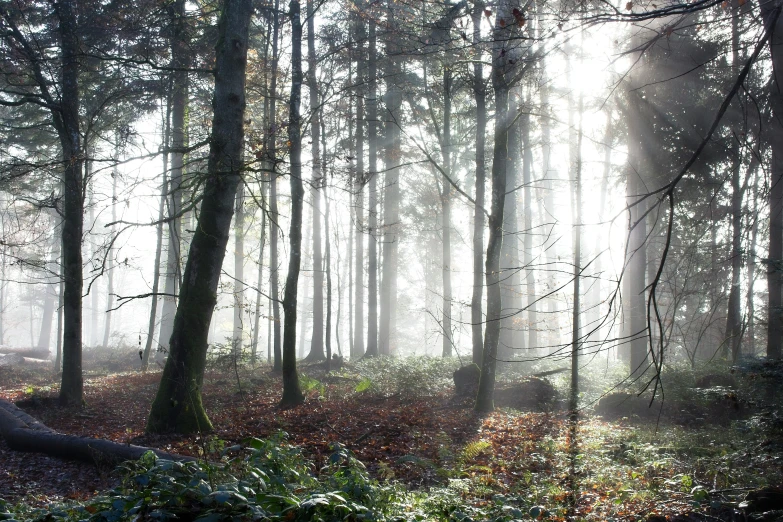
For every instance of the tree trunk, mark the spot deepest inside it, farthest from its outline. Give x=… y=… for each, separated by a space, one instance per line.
x=94 y=306
x=177 y=406
x=549 y=177
x=445 y=203
x=328 y=249
x=145 y=358
x=67 y=123
x=511 y=340
x=50 y=301
x=317 y=342
x=110 y=268
x=733 y=336
x=274 y=265
x=479 y=93
x=239 y=270
x=259 y=280
x=372 y=210
x=575 y=322
x=754 y=232
x=637 y=248
x=527 y=250
x=58 y=358
x=179 y=102
x=596 y=313
x=292 y=394
x=770 y=12
x=387 y=327
x=274 y=233
x=302 y=304
x=503 y=59
x=358 y=188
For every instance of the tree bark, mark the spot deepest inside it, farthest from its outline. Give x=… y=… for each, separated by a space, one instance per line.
x=773 y=22
x=445 y=199
x=372 y=210
x=145 y=358
x=239 y=270
x=274 y=233
x=637 y=248
x=259 y=280
x=50 y=301
x=110 y=268
x=511 y=339
x=292 y=394
x=576 y=312
x=177 y=406
x=358 y=187
x=179 y=103
x=479 y=93
x=387 y=328
x=503 y=59
x=328 y=253
x=317 y=341
x=733 y=336
x=67 y=123
x=527 y=209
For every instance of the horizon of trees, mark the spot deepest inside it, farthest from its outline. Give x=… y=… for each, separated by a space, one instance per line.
x=629 y=209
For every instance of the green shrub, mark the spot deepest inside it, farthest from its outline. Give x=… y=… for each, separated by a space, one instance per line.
x=419 y=376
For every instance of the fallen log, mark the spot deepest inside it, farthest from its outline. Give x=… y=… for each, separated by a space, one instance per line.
x=13 y=359
x=22 y=432
x=33 y=353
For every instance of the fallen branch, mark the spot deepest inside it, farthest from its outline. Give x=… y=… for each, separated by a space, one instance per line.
x=24 y=433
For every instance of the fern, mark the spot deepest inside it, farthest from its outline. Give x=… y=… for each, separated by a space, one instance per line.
x=474 y=449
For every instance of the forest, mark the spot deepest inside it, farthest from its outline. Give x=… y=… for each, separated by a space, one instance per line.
x=391 y=260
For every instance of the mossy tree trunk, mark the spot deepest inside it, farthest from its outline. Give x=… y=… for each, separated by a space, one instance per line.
x=177 y=406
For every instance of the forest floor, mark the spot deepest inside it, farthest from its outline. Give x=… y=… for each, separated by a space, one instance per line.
x=433 y=442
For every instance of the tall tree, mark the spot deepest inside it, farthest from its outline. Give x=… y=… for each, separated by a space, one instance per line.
x=505 y=62
x=292 y=393
x=271 y=164
x=527 y=210
x=316 y=188
x=372 y=205
x=479 y=94
x=60 y=96
x=734 y=327
x=180 y=88
x=110 y=263
x=360 y=37
x=773 y=22
x=239 y=270
x=387 y=326
x=145 y=358
x=177 y=405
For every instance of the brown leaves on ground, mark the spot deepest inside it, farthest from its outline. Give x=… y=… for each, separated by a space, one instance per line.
x=393 y=436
